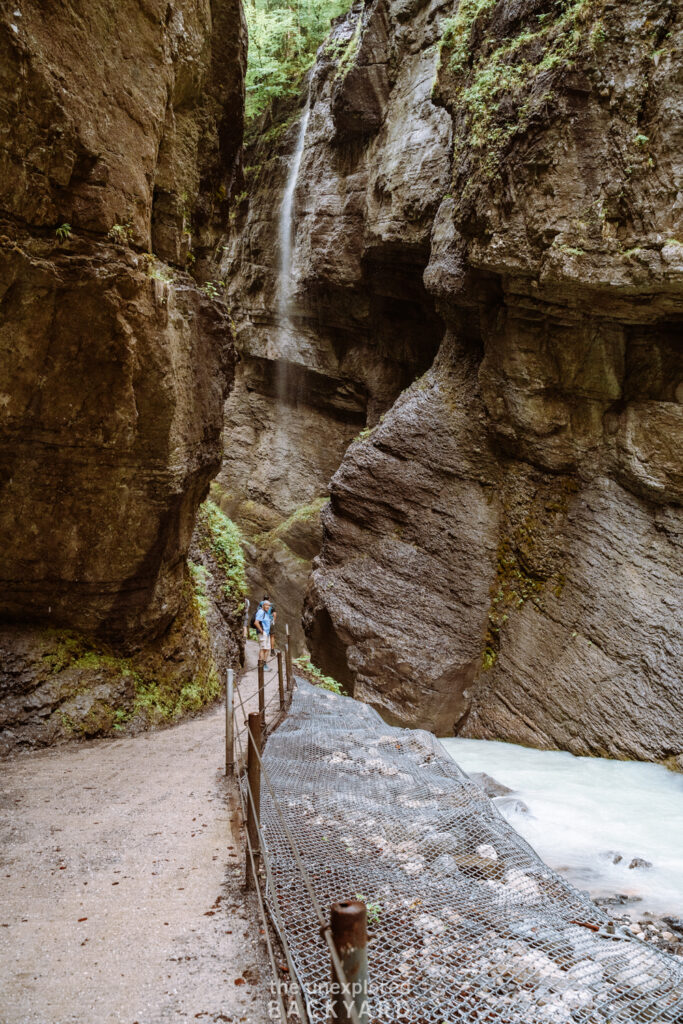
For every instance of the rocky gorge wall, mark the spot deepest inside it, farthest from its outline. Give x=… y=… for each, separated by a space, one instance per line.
x=489 y=220
x=121 y=127
x=360 y=325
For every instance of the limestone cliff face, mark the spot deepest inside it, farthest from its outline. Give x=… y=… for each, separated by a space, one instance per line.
x=360 y=325
x=501 y=554
x=120 y=127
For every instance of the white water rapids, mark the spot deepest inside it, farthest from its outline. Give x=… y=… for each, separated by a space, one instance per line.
x=582 y=808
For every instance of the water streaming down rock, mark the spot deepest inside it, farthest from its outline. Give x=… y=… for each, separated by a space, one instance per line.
x=286 y=239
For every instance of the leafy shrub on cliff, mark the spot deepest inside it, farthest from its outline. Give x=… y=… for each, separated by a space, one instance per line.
x=103 y=691
x=283 y=39
x=499 y=82
x=225 y=541
x=306 y=667
x=200 y=577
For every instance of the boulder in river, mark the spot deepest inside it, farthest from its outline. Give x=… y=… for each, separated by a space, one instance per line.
x=490 y=786
x=508 y=805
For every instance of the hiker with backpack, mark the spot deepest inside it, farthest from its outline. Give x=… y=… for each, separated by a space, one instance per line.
x=262 y=623
x=273 y=619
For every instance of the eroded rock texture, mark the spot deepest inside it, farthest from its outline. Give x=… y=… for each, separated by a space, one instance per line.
x=359 y=325
x=120 y=127
x=502 y=555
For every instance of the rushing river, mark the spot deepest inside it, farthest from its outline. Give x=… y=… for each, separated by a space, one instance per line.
x=583 y=810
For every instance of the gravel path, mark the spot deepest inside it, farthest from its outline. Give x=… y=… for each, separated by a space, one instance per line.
x=121 y=896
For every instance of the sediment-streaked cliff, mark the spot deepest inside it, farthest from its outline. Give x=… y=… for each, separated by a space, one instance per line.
x=489 y=219
x=121 y=128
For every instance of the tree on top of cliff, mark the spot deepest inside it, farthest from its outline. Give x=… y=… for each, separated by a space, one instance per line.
x=283 y=40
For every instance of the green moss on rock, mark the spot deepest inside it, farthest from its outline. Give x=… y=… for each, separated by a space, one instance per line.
x=225 y=541
x=305 y=667
x=500 y=84
x=101 y=691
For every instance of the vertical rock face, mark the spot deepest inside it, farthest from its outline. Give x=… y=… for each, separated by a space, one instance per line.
x=502 y=555
x=120 y=128
x=360 y=324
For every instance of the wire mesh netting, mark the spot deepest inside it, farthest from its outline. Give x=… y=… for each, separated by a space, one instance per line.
x=466 y=922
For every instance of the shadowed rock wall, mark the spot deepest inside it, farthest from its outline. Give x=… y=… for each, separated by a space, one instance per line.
x=120 y=128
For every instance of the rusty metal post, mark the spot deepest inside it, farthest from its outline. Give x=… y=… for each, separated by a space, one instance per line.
x=288 y=661
x=262 y=693
x=280 y=681
x=349 y=926
x=229 y=725
x=253 y=787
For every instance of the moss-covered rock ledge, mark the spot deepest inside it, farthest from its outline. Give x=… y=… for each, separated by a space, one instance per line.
x=62 y=685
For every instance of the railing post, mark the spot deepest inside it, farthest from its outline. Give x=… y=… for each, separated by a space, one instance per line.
x=349 y=926
x=280 y=681
x=261 y=694
x=253 y=788
x=229 y=725
x=288 y=661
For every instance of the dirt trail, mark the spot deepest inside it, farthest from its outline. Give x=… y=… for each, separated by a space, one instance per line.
x=121 y=885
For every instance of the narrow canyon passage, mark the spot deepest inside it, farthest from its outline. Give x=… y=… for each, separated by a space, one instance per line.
x=121 y=885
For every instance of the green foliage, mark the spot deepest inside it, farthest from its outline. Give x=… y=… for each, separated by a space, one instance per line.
x=498 y=84
x=63 y=232
x=158 y=701
x=120 y=233
x=598 y=36
x=283 y=40
x=316 y=677
x=200 y=578
x=211 y=289
x=304 y=514
x=348 y=52
x=225 y=541
x=489 y=658
x=373 y=908
x=154 y=693
x=364 y=434
x=457 y=31
x=156 y=270
x=68 y=649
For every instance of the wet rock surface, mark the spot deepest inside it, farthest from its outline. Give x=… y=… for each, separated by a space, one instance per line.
x=120 y=124
x=360 y=325
x=62 y=685
x=501 y=556
x=652 y=930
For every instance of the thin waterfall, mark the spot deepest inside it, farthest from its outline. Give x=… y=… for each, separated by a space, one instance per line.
x=286 y=238
x=286 y=232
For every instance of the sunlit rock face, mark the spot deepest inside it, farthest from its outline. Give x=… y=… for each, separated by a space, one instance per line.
x=502 y=555
x=120 y=127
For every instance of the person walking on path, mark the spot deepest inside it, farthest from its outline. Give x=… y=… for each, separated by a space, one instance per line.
x=262 y=623
x=273 y=620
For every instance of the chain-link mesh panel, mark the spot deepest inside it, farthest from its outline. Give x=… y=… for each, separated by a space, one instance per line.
x=466 y=922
